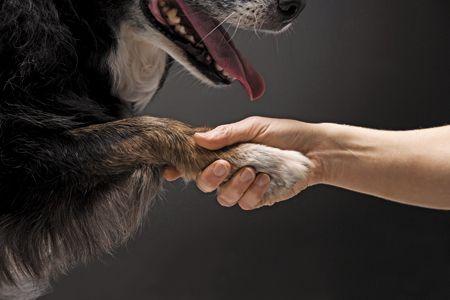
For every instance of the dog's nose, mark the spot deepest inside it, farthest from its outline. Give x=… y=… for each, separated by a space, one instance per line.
x=290 y=9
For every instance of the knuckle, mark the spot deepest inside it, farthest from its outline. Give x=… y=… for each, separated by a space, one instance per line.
x=235 y=189
x=253 y=119
x=256 y=125
x=206 y=183
x=228 y=195
x=223 y=130
x=223 y=133
x=245 y=178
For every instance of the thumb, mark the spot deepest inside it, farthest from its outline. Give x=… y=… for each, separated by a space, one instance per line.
x=226 y=135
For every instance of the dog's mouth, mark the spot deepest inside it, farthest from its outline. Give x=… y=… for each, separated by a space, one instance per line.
x=206 y=44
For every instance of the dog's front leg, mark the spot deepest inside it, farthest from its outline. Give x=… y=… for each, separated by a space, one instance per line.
x=161 y=142
x=84 y=191
x=71 y=196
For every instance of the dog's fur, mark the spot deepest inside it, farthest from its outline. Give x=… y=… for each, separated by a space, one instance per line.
x=77 y=170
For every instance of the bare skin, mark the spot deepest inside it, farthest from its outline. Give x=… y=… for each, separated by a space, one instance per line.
x=410 y=167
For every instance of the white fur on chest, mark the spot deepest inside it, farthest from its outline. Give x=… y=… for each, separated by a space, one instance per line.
x=137 y=67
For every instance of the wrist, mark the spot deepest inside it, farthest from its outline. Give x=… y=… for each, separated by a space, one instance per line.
x=337 y=149
x=348 y=153
x=319 y=145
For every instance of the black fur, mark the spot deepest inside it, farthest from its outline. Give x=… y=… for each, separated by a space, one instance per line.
x=55 y=209
x=77 y=172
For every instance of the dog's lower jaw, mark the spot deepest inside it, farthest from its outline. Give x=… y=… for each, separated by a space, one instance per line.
x=138 y=65
x=179 y=55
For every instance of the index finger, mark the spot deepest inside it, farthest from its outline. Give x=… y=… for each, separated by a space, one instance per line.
x=213 y=176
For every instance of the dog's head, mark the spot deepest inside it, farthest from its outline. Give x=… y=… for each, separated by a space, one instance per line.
x=191 y=32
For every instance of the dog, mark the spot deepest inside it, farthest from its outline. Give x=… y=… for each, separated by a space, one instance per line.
x=79 y=165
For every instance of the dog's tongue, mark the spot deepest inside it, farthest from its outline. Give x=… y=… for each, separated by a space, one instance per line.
x=224 y=52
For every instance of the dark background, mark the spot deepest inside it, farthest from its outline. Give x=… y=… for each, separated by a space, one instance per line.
x=383 y=64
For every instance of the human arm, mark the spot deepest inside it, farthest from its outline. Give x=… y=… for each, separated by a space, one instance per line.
x=410 y=167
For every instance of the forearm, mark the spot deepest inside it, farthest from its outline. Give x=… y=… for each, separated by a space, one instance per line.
x=411 y=167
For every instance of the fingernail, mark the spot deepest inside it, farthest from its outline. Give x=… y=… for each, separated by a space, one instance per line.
x=263 y=180
x=220 y=170
x=247 y=175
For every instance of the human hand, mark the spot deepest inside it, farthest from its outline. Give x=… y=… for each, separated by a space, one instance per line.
x=375 y=162
x=247 y=188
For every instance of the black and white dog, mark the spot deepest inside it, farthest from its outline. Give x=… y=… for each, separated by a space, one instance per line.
x=77 y=170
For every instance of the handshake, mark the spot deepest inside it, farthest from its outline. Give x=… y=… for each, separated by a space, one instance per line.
x=375 y=162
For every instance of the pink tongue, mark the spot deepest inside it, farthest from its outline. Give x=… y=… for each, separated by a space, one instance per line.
x=224 y=52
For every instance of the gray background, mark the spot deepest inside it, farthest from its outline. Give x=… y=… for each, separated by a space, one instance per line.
x=383 y=64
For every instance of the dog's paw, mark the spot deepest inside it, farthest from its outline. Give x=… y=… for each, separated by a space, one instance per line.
x=288 y=170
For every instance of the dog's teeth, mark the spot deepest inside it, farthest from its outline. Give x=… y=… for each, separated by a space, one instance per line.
x=208 y=59
x=218 y=68
x=172 y=17
x=180 y=29
x=172 y=13
x=228 y=76
x=190 y=38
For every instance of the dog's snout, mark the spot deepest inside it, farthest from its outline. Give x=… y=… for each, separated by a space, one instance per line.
x=290 y=9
